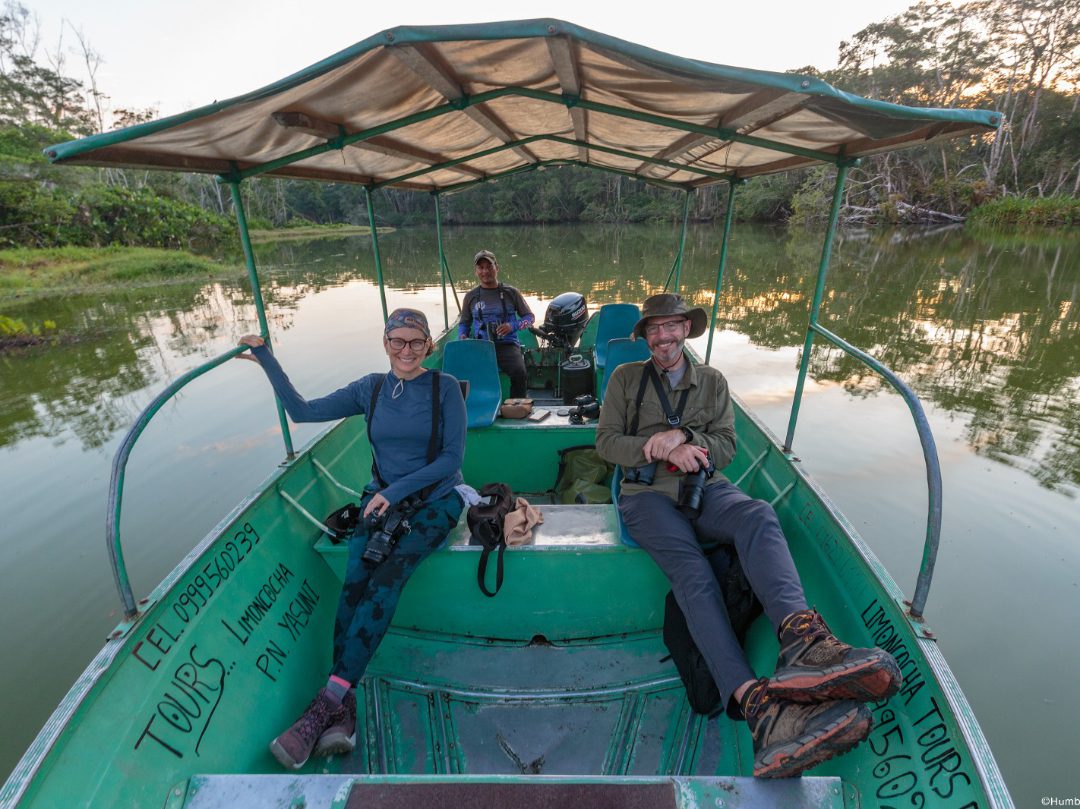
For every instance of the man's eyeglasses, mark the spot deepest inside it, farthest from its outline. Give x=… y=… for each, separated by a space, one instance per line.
x=669 y=326
x=417 y=345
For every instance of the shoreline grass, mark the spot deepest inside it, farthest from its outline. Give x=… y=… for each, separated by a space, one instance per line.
x=58 y=270
x=1048 y=212
x=313 y=232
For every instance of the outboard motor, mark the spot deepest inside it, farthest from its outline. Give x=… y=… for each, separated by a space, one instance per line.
x=565 y=320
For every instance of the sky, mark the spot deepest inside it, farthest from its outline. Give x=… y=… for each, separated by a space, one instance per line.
x=176 y=56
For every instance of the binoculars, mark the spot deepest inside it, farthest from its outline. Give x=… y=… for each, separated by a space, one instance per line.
x=585 y=407
x=691 y=487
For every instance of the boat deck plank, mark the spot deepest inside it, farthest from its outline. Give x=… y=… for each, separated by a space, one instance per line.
x=493 y=791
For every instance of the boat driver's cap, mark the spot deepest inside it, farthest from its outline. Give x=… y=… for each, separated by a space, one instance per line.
x=485 y=254
x=407 y=319
x=667 y=304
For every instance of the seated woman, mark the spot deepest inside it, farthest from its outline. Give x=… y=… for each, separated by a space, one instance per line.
x=418 y=441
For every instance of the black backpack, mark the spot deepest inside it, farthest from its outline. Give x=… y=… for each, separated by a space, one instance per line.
x=486 y=524
x=742 y=608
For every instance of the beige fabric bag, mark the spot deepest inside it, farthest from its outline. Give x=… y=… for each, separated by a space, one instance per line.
x=520 y=521
x=516 y=408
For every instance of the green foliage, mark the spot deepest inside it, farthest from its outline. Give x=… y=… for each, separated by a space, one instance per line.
x=810 y=203
x=12 y=327
x=767 y=199
x=32 y=215
x=57 y=270
x=36 y=215
x=116 y=215
x=1019 y=212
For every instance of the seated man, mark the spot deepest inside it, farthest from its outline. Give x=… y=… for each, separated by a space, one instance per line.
x=663 y=414
x=495 y=311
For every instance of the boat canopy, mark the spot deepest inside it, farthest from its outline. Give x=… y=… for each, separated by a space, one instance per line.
x=439 y=108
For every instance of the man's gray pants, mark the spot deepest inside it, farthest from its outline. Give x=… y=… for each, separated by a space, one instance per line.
x=678 y=544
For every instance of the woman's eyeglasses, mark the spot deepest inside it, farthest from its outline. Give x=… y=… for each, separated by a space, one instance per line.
x=670 y=326
x=417 y=345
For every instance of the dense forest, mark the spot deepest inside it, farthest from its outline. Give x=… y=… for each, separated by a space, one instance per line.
x=1019 y=57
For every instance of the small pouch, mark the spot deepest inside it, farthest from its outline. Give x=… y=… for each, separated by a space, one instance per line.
x=520 y=521
x=343 y=522
x=516 y=408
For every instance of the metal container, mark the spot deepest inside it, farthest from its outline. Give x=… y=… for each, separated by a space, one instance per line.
x=577 y=378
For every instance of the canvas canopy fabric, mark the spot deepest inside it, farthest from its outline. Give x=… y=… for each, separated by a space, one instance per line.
x=438 y=108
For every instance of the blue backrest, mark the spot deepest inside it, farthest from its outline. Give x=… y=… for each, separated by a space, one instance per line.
x=616 y=490
x=616 y=321
x=621 y=350
x=474 y=361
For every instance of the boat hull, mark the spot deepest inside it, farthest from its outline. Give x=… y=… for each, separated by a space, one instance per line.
x=563 y=673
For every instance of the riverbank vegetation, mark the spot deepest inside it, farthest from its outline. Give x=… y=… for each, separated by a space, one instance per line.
x=63 y=269
x=298 y=232
x=1058 y=212
x=1018 y=57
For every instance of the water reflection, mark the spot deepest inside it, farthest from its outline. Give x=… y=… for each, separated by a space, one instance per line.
x=984 y=328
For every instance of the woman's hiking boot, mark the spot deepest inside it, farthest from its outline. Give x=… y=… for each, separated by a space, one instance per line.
x=293 y=748
x=814 y=666
x=340 y=737
x=790 y=737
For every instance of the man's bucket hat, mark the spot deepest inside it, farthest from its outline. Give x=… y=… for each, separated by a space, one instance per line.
x=667 y=304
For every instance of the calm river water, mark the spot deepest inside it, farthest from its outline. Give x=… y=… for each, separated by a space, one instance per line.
x=986 y=330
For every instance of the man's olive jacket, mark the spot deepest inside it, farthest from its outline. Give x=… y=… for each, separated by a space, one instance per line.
x=709 y=415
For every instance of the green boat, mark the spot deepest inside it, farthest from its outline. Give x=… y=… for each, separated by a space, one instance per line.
x=558 y=689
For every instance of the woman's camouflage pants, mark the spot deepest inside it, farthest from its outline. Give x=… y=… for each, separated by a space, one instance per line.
x=370 y=594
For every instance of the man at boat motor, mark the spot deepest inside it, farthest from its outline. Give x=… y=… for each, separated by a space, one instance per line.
x=411 y=504
x=497 y=312
x=666 y=418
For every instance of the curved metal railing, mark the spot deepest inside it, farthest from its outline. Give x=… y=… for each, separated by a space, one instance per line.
x=930 y=456
x=116 y=483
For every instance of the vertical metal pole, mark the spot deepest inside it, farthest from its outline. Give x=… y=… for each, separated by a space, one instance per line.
x=819 y=292
x=442 y=262
x=729 y=216
x=375 y=247
x=443 y=265
x=682 y=241
x=260 y=307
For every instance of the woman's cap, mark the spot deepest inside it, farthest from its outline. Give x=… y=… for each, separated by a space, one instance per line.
x=407 y=319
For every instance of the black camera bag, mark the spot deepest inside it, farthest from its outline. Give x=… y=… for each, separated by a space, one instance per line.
x=742 y=608
x=486 y=524
x=343 y=522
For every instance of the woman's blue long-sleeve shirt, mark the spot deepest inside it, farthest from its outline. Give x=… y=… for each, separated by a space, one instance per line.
x=401 y=429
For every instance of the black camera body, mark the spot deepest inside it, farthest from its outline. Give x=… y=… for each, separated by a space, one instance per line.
x=384 y=531
x=692 y=489
x=585 y=407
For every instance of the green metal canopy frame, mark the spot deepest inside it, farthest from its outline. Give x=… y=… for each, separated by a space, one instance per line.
x=432 y=108
x=440 y=109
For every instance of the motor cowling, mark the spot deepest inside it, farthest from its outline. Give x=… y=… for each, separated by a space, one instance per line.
x=565 y=319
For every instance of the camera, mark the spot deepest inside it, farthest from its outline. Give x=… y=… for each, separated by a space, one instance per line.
x=692 y=489
x=643 y=474
x=384 y=531
x=585 y=407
